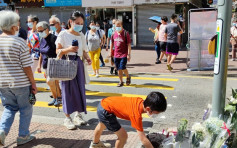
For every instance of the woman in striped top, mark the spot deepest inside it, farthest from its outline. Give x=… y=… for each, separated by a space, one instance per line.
x=16 y=78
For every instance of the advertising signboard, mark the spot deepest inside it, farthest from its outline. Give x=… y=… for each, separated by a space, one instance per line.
x=61 y=3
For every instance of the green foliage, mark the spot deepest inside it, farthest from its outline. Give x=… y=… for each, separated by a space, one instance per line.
x=183 y=123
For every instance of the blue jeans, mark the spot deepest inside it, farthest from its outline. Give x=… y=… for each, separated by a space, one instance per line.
x=13 y=100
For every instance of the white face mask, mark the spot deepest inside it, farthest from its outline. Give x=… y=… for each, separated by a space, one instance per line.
x=153 y=116
x=42 y=34
x=17 y=32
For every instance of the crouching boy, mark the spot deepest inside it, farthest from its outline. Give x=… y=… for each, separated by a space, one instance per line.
x=128 y=108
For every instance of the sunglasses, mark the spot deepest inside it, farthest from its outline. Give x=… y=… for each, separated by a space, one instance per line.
x=41 y=31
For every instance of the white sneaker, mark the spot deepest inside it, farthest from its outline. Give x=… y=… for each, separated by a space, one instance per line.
x=69 y=124
x=97 y=76
x=78 y=119
x=24 y=140
x=233 y=59
x=100 y=145
x=2 y=137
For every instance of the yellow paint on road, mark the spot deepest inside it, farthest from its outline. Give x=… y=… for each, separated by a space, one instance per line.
x=141 y=78
x=102 y=94
x=155 y=86
x=133 y=85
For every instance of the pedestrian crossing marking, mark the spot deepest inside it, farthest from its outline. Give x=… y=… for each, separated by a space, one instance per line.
x=133 y=85
x=141 y=78
x=155 y=86
x=102 y=94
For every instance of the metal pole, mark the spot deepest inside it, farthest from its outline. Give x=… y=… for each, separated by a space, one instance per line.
x=221 y=58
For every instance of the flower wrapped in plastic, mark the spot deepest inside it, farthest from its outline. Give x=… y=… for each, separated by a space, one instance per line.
x=213 y=129
x=199 y=134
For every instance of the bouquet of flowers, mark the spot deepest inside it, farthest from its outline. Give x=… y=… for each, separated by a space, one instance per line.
x=213 y=128
x=199 y=134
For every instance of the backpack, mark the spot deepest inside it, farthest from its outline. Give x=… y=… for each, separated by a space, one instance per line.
x=98 y=31
x=125 y=35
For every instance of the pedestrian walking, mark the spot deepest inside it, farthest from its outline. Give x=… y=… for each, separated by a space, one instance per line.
x=156 y=41
x=33 y=40
x=233 y=40
x=162 y=38
x=16 y=79
x=127 y=108
x=121 y=42
x=110 y=33
x=73 y=91
x=55 y=25
x=48 y=50
x=94 y=38
x=102 y=32
x=172 y=31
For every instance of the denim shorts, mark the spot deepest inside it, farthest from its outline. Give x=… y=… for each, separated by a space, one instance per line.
x=120 y=63
x=108 y=119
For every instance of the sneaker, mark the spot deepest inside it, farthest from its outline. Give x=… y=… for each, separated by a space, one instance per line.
x=100 y=145
x=169 y=67
x=52 y=102
x=69 y=124
x=24 y=140
x=158 y=62
x=111 y=70
x=116 y=72
x=233 y=59
x=97 y=76
x=2 y=137
x=58 y=102
x=78 y=119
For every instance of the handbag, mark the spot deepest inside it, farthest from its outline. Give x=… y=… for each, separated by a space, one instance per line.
x=59 y=69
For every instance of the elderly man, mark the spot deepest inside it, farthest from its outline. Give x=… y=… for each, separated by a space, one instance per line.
x=55 y=25
x=16 y=79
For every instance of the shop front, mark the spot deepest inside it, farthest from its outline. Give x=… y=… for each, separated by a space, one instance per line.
x=108 y=10
x=148 y=8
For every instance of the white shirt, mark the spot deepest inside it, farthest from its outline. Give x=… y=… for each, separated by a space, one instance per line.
x=65 y=38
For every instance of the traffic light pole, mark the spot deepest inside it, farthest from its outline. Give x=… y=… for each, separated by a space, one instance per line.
x=221 y=59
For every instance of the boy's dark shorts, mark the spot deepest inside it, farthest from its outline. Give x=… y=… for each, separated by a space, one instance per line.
x=172 y=48
x=163 y=46
x=108 y=119
x=120 y=63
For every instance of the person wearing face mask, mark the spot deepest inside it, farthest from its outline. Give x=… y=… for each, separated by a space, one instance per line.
x=103 y=43
x=33 y=40
x=233 y=40
x=48 y=50
x=110 y=33
x=55 y=26
x=127 y=108
x=16 y=79
x=73 y=91
x=95 y=40
x=121 y=42
x=63 y=25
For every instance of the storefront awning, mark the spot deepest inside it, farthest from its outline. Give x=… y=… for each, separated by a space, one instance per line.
x=107 y=3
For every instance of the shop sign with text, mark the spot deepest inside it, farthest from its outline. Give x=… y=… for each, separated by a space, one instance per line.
x=106 y=3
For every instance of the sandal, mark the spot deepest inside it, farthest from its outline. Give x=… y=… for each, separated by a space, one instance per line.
x=128 y=82
x=120 y=84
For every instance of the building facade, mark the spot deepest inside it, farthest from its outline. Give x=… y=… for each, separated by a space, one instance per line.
x=135 y=14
